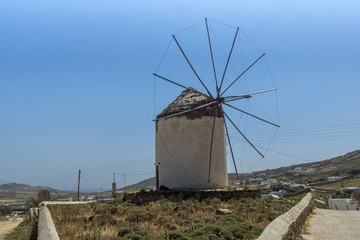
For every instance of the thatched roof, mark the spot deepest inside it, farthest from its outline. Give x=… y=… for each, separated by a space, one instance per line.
x=190 y=99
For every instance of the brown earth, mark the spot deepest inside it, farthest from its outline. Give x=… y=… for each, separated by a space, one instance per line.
x=6 y=227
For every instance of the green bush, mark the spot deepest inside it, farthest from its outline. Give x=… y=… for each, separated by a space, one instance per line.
x=161 y=221
x=267 y=216
x=105 y=219
x=123 y=231
x=208 y=236
x=230 y=219
x=244 y=231
x=133 y=236
x=139 y=216
x=176 y=235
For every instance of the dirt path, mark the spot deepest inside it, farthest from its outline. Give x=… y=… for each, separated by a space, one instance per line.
x=6 y=227
x=333 y=224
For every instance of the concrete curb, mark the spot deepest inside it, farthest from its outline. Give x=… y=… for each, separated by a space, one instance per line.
x=46 y=227
x=288 y=225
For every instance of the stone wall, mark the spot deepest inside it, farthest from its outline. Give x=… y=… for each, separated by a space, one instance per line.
x=320 y=204
x=46 y=227
x=288 y=225
x=224 y=195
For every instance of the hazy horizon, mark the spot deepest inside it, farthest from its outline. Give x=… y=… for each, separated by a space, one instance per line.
x=77 y=90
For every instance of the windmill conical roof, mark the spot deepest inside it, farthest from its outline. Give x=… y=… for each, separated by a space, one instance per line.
x=187 y=100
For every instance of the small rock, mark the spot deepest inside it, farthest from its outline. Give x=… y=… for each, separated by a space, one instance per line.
x=223 y=211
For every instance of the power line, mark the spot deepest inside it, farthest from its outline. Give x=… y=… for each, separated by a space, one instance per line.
x=146 y=173
x=63 y=179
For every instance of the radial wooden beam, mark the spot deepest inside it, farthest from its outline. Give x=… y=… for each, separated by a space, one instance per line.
x=186 y=111
x=222 y=79
x=232 y=153
x=211 y=145
x=177 y=43
x=251 y=115
x=169 y=80
x=242 y=73
x=243 y=135
x=212 y=57
x=248 y=95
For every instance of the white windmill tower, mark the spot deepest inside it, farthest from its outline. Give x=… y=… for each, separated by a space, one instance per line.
x=191 y=132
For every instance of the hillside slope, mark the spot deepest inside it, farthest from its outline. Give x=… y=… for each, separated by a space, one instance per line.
x=345 y=165
x=11 y=191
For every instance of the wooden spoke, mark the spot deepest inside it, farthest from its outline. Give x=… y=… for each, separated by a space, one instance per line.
x=191 y=66
x=211 y=144
x=222 y=79
x=212 y=57
x=242 y=74
x=169 y=80
x=232 y=153
x=243 y=135
x=252 y=115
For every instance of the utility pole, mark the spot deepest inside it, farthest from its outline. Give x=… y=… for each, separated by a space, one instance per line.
x=157 y=176
x=78 y=193
x=113 y=192
x=124 y=179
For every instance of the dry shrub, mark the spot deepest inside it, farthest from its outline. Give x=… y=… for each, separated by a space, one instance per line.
x=164 y=219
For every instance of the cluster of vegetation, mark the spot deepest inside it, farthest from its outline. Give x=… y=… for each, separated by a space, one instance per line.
x=5 y=210
x=164 y=219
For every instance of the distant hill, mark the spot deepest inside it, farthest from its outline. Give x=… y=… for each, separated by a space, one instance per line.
x=345 y=165
x=16 y=191
x=145 y=184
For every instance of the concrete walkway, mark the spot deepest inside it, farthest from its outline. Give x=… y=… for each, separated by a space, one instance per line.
x=333 y=224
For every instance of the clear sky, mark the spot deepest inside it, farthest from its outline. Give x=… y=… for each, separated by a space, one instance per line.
x=77 y=91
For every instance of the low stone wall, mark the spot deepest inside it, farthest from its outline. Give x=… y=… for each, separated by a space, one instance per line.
x=224 y=195
x=320 y=204
x=288 y=225
x=46 y=227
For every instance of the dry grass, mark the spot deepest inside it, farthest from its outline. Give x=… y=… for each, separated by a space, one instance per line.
x=164 y=219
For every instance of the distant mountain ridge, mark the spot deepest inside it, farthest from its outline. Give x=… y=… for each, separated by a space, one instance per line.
x=341 y=165
x=22 y=187
x=323 y=168
x=17 y=191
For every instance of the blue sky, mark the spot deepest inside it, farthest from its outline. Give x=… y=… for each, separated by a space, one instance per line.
x=76 y=84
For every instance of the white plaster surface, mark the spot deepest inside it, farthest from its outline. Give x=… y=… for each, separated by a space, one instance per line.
x=183 y=153
x=46 y=227
x=343 y=204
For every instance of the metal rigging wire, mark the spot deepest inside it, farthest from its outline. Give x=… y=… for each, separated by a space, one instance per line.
x=63 y=179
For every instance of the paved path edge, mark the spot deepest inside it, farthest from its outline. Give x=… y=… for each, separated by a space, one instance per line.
x=288 y=225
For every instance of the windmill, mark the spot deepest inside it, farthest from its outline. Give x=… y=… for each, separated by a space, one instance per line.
x=191 y=132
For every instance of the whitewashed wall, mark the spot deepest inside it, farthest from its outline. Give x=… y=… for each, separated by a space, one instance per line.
x=183 y=149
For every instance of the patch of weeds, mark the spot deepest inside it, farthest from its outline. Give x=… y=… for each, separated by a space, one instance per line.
x=139 y=216
x=123 y=231
x=213 y=232
x=208 y=236
x=173 y=235
x=105 y=219
x=162 y=220
x=267 y=216
x=134 y=236
x=140 y=231
x=96 y=232
x=244 y=231
x=208 y=219
x=230 y=219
